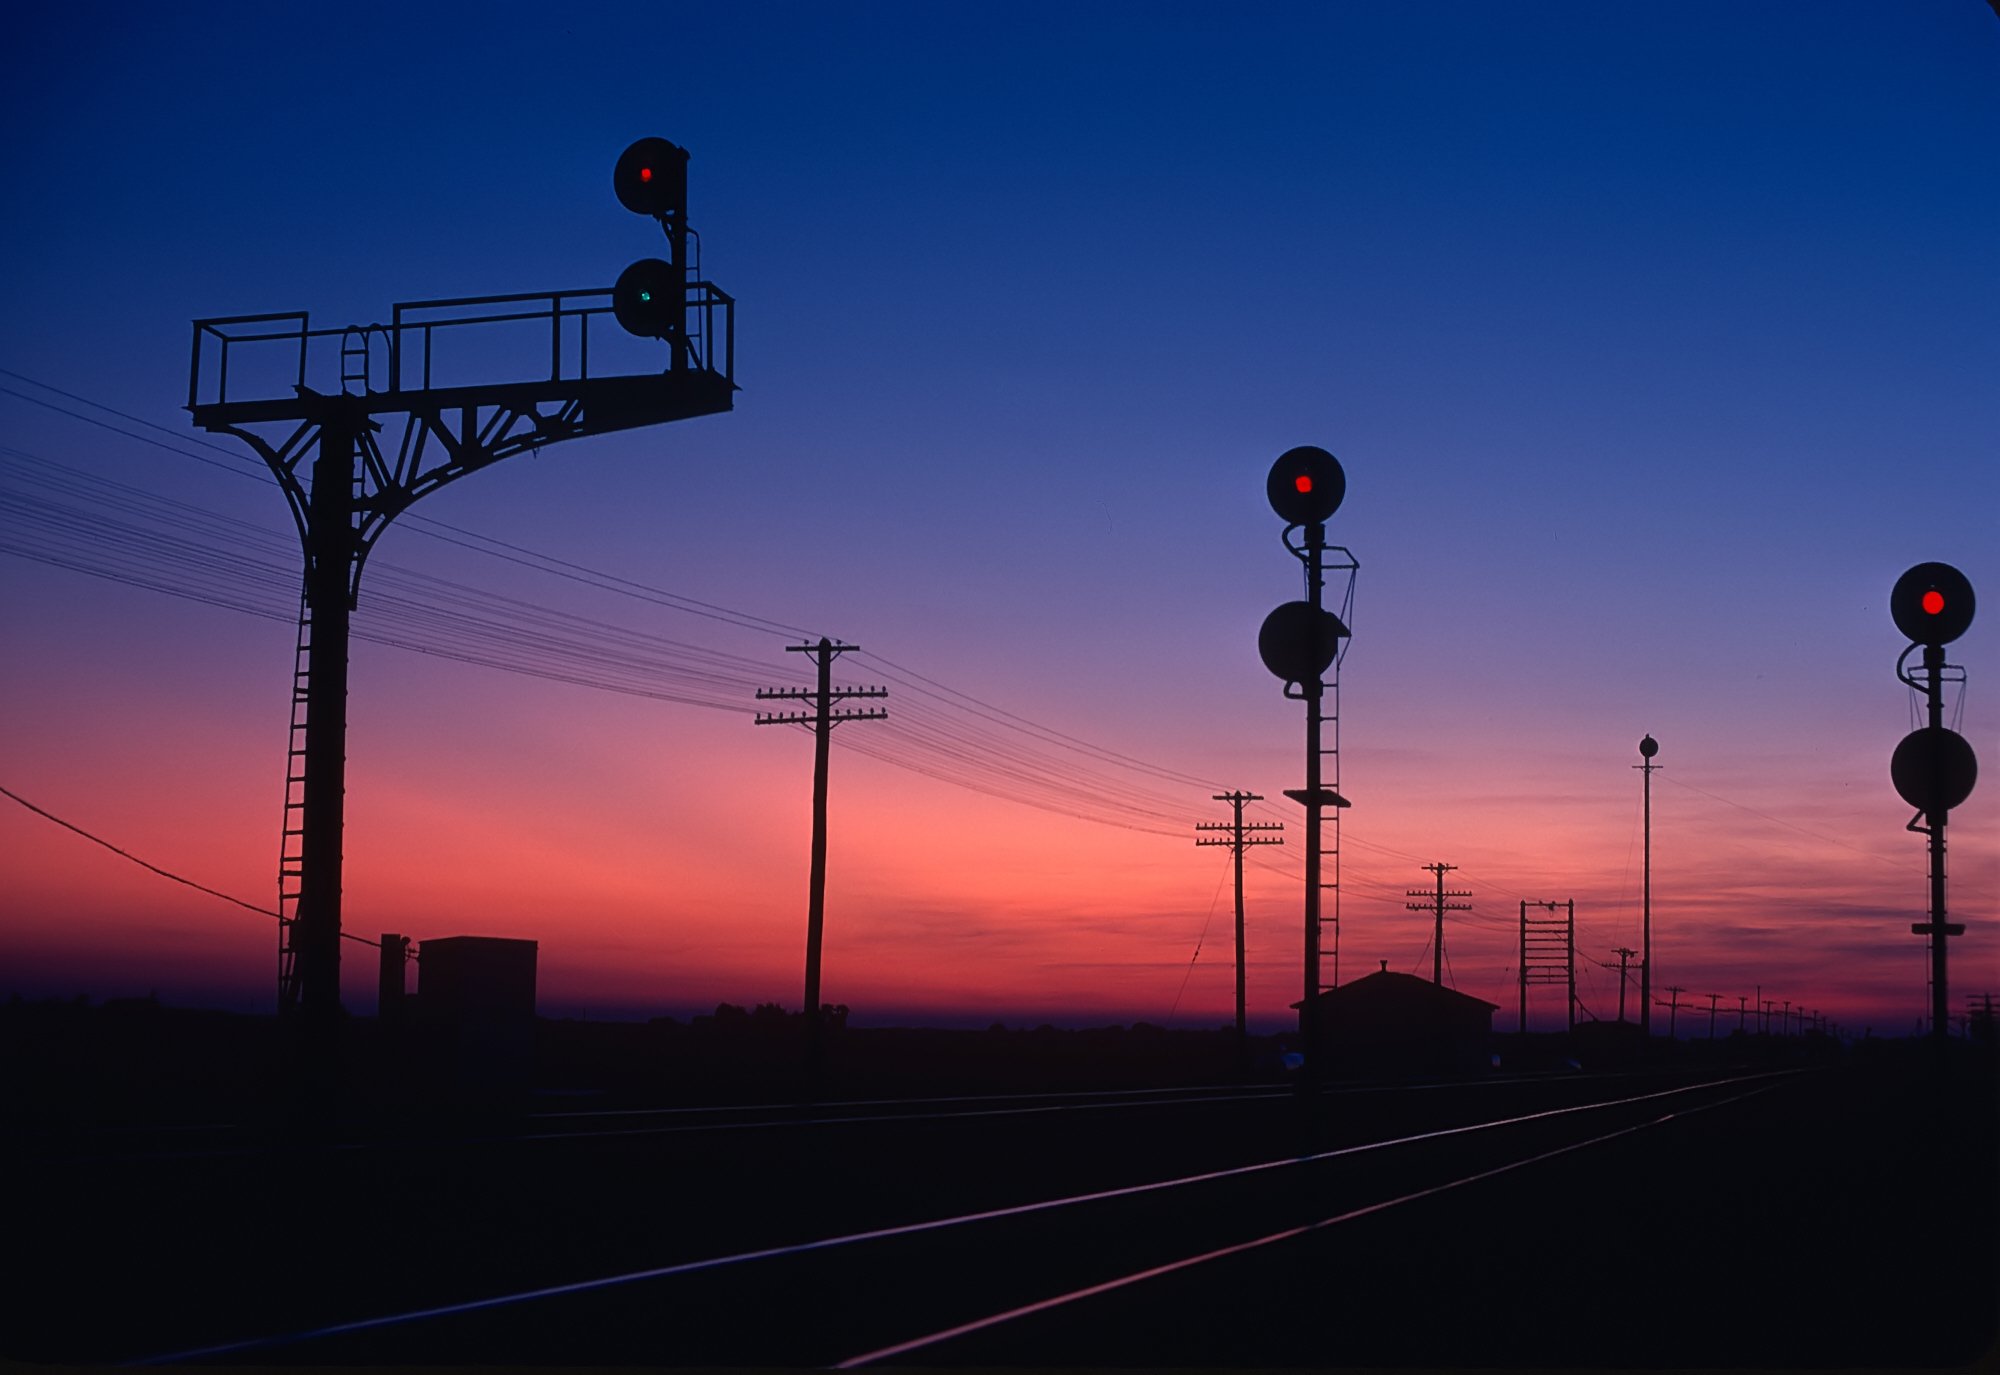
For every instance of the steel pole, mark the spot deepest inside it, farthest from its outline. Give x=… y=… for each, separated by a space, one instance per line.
x=1308 y=1010
x=1934 y=822
x=1571 y=931
x=1646 y=929
x=329 y=589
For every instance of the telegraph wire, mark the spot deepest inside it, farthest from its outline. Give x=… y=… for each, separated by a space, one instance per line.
x=163 y=873
x=928 y=741
x=226 y=562
x=1199 y=941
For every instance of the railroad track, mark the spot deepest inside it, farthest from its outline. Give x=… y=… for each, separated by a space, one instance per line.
x=936 y=1288
x=149 y=1142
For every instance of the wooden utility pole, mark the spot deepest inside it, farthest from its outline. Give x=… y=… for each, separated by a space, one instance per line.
x=823 y=718
x=1623 y=955
x=1673 y=1008
x=1239 y=836
x=1435 y=903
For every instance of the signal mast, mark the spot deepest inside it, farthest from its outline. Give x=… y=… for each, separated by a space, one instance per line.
x=1933 y=768
x=1298 y=642
x=326 y=442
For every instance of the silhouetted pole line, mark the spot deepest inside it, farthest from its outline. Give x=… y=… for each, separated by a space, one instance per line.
x=1673 y=1008
x=1437 y=905
x=1712 y=998
x=1623 y=955
x=822 y=719
x=1648 y=747
x=1239 y=836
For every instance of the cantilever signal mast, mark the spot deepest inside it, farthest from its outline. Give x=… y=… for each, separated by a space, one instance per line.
x=1436 y=903
x=823 y=718
x=323 y=396
x=1239 y=836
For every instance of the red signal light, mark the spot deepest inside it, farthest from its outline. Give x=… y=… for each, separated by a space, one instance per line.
x=1304 y=483
x=1933 y=601
x=645 y=174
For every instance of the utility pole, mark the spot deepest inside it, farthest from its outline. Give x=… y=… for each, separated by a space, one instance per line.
x=823 y=718
x=1623 y=955
x=1785 y=1019
x=1740 y=1001
x=1299 y=642
x=1673 y=1008
x=1436 y=904
x=1239 y=836
x=1711 y=1013
x=1648 y=747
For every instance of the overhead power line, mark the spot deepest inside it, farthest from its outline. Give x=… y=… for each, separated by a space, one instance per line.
x=64 y=516
x=154 y=868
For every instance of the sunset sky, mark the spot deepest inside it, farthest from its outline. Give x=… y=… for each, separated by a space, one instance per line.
x=1656 y=341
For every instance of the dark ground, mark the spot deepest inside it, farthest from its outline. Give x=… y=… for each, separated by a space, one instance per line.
x=1846 y=1217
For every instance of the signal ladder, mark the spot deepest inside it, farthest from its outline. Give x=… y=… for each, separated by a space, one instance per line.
x=1330 y=853
x=291 y=844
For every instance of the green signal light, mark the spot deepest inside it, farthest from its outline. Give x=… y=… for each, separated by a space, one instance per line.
x=645 y=295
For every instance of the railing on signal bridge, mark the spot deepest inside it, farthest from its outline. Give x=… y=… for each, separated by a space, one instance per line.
x=410 y=340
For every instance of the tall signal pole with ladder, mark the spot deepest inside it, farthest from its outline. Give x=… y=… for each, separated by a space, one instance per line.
x=339 y=388
x=1239 y=836
x=1436 y=904
x=823 y=718
x=1298 y=642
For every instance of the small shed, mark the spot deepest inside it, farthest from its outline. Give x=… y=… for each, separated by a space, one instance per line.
x=1390 y=1024
x=476 y=1002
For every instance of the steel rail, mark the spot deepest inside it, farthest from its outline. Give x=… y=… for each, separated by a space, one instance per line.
x=914 y=1228
x=1124 y=1281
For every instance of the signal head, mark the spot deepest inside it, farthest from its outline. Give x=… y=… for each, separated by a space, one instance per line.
x=1932 y=603
x=1297 y=641
x=1934 y=769
x=650 y=299
x=1306 y=485
x=651 y=179
x=1649 y=747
